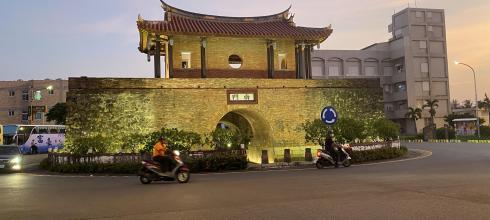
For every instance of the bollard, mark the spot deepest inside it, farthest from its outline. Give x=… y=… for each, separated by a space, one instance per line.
x=287 y=155
x=265 y=157
x=308 y=156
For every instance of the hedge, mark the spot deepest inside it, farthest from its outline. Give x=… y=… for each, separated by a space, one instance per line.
x=205 y=164
x=213 y=163
x=377 y=154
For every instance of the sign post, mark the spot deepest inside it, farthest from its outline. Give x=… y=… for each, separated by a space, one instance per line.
x=329 y=116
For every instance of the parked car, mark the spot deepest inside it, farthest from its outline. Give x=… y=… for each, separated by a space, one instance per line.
x=10 y=158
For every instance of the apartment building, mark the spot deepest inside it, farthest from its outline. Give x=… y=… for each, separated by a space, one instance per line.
x=27 y=102
x=412 y=66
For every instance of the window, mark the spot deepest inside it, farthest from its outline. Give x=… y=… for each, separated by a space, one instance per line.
x=11 y=112
x=387 y=88
x=11 y=93
x=37 y=95
x=235 y=61
x=353 y=70
x=419 y=14
x=429 y=28
x=25 y=95
x=425 y=86
x=283 y=61
x=389 y=107
x=186 y=60
x=422 y=44
x=371 y=71
x=25 y=116
x=399 y=68
x=50 y=91
x=38 y=116
x=400 y=87
x=333 y=71
x=424 y=67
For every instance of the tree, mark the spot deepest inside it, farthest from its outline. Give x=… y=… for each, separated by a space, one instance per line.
x=386 y=129
x=315 y=132
x=222 y=139
x=431 y=105
x=455 y=104
x=347 y=130
x=57 y=113
x=414 y=114
x=485 y=104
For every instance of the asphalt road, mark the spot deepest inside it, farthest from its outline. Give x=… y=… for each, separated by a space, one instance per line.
x=453 y=183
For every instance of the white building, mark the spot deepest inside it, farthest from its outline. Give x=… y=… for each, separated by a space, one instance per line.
x=412 y=66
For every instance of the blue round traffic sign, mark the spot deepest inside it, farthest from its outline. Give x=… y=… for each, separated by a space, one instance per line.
x=329 y=115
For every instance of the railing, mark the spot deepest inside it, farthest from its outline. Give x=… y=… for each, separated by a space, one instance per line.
x=66 y=158
x=374 y=145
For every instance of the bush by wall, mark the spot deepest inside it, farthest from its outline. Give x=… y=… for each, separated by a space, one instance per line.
x=211 y=163
x=217 y=163
x=113 y=168
x=441 y=133
x=377 y=154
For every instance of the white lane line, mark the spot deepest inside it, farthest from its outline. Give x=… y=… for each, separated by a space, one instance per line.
x=425 y=153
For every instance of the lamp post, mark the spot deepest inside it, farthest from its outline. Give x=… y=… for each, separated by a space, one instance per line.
x=476 y=95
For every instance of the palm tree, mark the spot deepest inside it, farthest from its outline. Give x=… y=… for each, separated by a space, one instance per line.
x=431 y=105
x=485 y=104
x=414 y=114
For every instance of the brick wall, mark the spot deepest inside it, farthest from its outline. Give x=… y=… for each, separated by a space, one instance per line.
x=252 y=51
x=119 y=107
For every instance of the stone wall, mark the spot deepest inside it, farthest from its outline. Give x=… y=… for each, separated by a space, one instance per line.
x=119 y=107
x=253 y=52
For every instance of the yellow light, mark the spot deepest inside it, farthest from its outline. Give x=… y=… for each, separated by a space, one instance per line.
x=49 y=88
x=456 y=62
x=16 y=167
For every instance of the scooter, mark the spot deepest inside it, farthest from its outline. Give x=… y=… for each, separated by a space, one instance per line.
x=151 y=171
x=324 y=159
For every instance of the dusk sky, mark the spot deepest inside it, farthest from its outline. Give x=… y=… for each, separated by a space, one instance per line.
x=62 y=38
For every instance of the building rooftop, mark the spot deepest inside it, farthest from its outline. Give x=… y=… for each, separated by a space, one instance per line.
x=280 y=25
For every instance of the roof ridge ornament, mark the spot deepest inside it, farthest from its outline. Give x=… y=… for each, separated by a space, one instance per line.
x=266 y=18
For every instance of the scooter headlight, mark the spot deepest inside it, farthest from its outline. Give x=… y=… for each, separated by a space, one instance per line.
x=16 y=160
x=176 y=153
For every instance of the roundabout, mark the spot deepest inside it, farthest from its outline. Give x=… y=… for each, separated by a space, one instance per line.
x=452 y=183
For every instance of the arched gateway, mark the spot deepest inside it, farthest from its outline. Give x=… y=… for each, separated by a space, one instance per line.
x=253 y=72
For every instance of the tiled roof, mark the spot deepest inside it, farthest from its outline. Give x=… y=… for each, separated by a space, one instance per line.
x=178 y=21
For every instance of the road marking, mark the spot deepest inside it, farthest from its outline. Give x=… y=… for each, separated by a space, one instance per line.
x=425 y=154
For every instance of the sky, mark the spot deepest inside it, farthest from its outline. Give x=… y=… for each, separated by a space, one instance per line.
x=69 y=38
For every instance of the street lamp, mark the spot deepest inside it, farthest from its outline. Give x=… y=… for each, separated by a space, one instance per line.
x=476 y=95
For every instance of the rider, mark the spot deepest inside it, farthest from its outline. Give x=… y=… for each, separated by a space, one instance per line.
x=330 y=148
x=159 y=156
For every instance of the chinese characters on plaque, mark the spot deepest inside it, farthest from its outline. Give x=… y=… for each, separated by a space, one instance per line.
x=247 y=96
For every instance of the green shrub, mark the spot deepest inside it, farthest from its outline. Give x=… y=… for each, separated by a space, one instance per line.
x=117 y=168
x=441 y=133
x=347 y=130
x=216 y=163
x=377 y=154
x=485 y=131
x=177 y=139
x=386 y=129
x=81 y=145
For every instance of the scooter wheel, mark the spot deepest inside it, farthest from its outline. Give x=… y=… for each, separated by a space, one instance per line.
x=145 y=180
x=346 y=163
x=183 y=176
x=319 y=165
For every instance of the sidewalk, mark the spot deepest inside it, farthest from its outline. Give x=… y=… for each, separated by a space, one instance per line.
x=412 y=153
